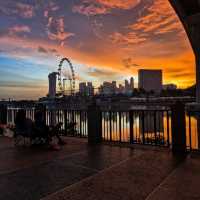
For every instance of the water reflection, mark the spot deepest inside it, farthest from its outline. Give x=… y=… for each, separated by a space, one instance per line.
x=148 y=126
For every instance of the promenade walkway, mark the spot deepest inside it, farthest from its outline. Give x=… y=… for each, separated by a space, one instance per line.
x=102 y=172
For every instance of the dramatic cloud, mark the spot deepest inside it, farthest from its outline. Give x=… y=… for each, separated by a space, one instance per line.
x=127 y=39
x=42 y=50
x=103 y=74
x=129 y=63
x=116 y=37
x=97 y=7
x=25 y=10
x=56 y=29
x=51 y=7
x=19 y=29
x=121 y=4
x=13 y=8
x=90 y=10
x=159 y=19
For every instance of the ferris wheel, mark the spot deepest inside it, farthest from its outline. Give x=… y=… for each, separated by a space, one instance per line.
x=66 y=77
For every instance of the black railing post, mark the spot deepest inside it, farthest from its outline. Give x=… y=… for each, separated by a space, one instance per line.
x=94 y=124
x=42 y=109
x=3 y=114
x=155 y=128
x=80 y=122
x=190 y=131
x=110 y=125
x=168 y=142
x=65 y=122
x=73 y=121
x=143 y=128
x=178 y=128
x=131 y=125
x=120 y=126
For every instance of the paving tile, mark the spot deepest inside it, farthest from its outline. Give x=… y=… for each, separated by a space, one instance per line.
x=14 y=158
x=103 y=172
x=134 y=178
x=41 y=180
x=101 y=156
x=182 y=184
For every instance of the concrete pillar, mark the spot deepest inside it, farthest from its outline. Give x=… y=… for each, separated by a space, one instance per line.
x=94 y=125
x=193 y=25
x=178 y=128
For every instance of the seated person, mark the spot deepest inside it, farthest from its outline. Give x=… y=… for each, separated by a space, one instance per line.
x=42 y=129
x=23 y=125
x=70 y=127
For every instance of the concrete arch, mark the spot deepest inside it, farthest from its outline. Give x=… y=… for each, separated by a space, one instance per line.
x=189 y=14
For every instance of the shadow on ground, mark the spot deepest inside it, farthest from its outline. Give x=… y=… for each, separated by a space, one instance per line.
x=79 y=171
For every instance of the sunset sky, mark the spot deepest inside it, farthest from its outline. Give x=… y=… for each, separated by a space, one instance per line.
x=104 y=39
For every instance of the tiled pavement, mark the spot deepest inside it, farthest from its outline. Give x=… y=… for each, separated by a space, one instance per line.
x=79 y=171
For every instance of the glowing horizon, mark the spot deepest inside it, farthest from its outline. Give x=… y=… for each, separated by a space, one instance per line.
x=105 y=40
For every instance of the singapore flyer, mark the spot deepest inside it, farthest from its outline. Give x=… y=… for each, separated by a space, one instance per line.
x=66 y=77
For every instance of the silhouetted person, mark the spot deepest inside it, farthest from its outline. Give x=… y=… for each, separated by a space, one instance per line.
x=42 y=129
x=24 y=126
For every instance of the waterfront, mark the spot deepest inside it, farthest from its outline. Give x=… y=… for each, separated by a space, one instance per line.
x=148 y=126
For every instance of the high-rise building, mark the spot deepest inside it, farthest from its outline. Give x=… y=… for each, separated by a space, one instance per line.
x=129 y=86
x=126 y=85
x=108 y=88
x=121 y=89
x=82 y=88
x=131 y=83
x=90 y=89
x=52 y=84
x=86 y=89
x=150 y=80
x=114 y=84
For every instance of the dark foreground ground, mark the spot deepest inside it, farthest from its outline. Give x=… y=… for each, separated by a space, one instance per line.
x=79 y=171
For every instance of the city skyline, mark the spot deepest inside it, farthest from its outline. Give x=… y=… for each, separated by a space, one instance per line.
x=104 y=40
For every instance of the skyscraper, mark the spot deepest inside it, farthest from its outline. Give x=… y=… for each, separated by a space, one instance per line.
x=90 y=89
x=82 y=88
x=131 y=83
x=52 y=84
x=126 y=85
x=86 y=89
x=150 y=80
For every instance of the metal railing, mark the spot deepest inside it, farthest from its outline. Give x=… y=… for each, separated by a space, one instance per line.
x=150 y=127
x=145 y=126
x=55 y=116
x=193 y=131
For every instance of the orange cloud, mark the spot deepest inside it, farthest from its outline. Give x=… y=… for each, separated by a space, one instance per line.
x=89 y=10
x=160 y=18
x=176 y=62
x=173 y=55
x=126 y=39
x=97 y=7
x=121 y=4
